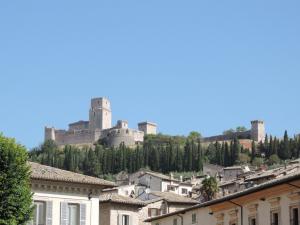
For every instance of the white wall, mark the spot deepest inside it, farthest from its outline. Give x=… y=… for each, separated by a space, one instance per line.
x=92 y=205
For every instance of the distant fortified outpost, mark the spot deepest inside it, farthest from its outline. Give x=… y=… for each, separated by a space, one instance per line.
x=257 y=133
x=99 y=126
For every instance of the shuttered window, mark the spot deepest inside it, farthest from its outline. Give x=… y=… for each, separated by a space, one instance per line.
x=73 y=214
x=124 y=220
x=39 y=215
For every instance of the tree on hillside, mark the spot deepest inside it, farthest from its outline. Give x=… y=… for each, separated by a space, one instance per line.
x=209 y=188
x=228 y=132
x=15 y=194
x=253 y=151
x=285 y=151
x=236 y=150
x=241 y=129
x=194 y=135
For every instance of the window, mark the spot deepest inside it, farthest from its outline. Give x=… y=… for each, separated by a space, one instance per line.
x=294 y=215
x=153 y=212
x=73 y=214
x=252 y=221
x=157 y=224
x=170 y=188
x=39 y=215
x=194 y=218
x=184 y=191
x=174 y=221
x=125 y=220
x=274 y=218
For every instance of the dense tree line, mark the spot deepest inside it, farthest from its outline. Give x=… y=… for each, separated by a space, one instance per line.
x=165 y=153
x=159 y=153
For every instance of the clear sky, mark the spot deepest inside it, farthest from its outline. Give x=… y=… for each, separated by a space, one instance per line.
x=186 y=65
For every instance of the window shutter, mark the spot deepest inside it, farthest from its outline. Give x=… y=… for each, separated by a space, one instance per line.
x=130 y=220
x=82 y=214
x=64 y=213
x=158 y=212
x=49 y=213
x=149 y=212
x=119 y=219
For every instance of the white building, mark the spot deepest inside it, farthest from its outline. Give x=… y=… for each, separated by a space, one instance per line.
x=65 y=198
x=160 y=182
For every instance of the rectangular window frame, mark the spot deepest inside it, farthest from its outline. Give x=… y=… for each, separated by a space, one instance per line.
x=194 y=218
x=184 y=191
x=78 y=212
x=36 y=218
x=250 y=218
x=125 y=218
x=272 y=212
x=291 y=208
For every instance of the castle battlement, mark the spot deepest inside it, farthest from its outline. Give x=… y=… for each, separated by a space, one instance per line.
x=99 y=126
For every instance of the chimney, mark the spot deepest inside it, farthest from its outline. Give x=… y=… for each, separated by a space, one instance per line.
x=171 y=176
x=181 y=178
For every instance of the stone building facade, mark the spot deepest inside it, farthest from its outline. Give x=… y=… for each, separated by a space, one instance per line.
x=99 y=126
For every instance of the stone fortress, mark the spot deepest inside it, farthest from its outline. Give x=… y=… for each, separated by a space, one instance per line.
x=99 y=126
x=257 y=133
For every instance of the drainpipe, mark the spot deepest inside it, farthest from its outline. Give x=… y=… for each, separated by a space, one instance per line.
x=241 y=210
x=293 y=185
x=181 y=217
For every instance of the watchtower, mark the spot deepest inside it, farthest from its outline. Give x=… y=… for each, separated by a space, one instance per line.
x=258 y=132
x=148 y=127
x=100 y=114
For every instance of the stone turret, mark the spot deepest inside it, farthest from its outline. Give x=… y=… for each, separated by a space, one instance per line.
x=147 y=127
x=50 y=133
x=258 y=130
x=100 y=114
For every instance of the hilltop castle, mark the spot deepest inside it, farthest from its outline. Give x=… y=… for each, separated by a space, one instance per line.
x=99 y=126
x=256 y=133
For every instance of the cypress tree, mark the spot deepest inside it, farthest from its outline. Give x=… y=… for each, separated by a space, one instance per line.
x=253 y=151
x=227 y=157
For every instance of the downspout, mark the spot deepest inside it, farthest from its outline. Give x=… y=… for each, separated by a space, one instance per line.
x=293 y=185
x=181 y=217
x=241 y=207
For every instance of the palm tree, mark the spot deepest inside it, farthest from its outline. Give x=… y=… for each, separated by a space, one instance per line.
x=209 y=188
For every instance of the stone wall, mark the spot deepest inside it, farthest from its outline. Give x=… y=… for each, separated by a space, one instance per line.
x=225 y=137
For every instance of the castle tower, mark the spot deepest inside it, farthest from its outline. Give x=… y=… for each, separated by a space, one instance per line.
x=100 y=114
x=49 y=133
x=258 y=130
x=147 y=127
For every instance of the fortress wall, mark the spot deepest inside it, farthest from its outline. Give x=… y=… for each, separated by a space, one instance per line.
x=138 y=136
x=246 y=143
x=74 y=137
x=81 y=125
x=239 y=135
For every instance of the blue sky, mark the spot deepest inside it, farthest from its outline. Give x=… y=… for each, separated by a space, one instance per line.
x=186 y=65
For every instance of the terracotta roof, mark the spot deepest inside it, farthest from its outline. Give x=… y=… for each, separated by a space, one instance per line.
x=43 y=172
x=174 y=198
x=263 y=186
x=277 y=172
x=120 y=199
